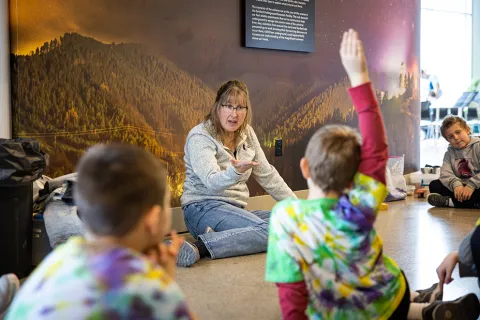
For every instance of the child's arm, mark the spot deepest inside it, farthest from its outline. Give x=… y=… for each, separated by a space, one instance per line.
x=447 y=175
x=284 y=260
x=468 y=253
x=374 y=150
x=369 y=190
x=293 y=300
x=474 y=182
x=465 y=255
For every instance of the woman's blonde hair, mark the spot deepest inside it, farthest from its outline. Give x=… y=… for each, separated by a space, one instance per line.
x=238 y=90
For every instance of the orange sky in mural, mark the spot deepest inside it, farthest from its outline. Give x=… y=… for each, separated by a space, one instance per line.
x=34 y=22
x=204 y=37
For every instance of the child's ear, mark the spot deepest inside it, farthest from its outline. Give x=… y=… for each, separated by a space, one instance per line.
x=152 y=220
x=304 y=168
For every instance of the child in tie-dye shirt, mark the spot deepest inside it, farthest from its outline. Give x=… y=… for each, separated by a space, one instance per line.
x=121 y=269
x=324 y=253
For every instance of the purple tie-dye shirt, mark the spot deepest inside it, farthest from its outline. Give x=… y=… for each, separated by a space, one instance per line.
x=77 y=281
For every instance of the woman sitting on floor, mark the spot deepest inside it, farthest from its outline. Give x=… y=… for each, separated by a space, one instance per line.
x=220 y=155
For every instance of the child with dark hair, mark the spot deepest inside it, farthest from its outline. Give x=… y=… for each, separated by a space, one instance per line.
x=121 y=269
x=459 y=181
x=324 y=253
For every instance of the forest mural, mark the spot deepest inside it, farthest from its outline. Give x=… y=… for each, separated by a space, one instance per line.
x=146 y=72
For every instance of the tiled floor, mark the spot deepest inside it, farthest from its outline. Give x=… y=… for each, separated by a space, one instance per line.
x=417 y=236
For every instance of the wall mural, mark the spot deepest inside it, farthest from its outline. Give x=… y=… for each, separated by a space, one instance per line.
x=145 y=72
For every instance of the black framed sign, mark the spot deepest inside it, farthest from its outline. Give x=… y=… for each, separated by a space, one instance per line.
x=280 y=24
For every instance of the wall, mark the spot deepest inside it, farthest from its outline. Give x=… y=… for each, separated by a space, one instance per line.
x=5 y=107
x=146 y=72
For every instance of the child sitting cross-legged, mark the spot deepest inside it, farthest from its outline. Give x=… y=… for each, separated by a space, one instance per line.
x=324 y=253
x=121 y=269
x=459 y=181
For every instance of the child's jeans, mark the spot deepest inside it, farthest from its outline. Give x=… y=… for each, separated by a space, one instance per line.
x=473 y=203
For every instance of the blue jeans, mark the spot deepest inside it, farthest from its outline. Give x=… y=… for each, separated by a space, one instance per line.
x=237 y=231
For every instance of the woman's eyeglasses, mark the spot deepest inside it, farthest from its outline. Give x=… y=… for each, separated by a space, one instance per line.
x=230 y=108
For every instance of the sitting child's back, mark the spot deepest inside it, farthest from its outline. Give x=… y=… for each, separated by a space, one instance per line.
x=334 y=249
x=324 y=253
x=328 y=241
x=115 y=272
x=81 y=281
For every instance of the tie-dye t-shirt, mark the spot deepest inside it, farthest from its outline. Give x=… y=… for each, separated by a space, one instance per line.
x=79 y=282
x=332 y=246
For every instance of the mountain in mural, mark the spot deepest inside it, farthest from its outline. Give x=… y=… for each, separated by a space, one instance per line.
x=333 y=105
x=74 y=92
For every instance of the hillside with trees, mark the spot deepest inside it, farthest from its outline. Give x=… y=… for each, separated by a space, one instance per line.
x=74 y=92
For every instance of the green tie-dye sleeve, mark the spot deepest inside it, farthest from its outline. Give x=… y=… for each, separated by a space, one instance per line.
x=367 y=193
x=281 y=265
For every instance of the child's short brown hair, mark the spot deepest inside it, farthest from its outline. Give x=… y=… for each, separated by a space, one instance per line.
x=333 y=156
x=116 y=185
x=450 y=121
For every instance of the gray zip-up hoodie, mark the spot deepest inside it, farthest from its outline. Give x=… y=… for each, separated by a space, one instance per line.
x=210 y=174
x=462 y=166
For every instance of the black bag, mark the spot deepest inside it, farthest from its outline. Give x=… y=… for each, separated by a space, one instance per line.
x=21 y=161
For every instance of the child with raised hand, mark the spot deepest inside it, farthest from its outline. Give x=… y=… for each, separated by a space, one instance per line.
x=121 y=269
x=459 y=181
x=324 y=253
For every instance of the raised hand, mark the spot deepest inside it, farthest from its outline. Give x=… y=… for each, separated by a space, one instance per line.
x=353 y=58
x=242 y=166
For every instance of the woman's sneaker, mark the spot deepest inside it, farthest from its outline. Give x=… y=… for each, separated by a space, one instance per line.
x=437 y=200
x=464 y=308
x=187 y=255
x=9 y=285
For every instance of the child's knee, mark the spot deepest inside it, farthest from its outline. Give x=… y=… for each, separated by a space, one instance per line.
x=435 y=186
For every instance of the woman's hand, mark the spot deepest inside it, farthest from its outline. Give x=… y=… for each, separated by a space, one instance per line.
x=166 y=256
x=445 y=269
x=242 y=166
x=353 y=58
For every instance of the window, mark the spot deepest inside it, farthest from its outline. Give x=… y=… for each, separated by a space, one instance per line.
x=446 y=42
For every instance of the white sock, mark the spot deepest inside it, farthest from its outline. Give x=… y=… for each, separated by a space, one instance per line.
x=415 y=311
x=450 y=203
